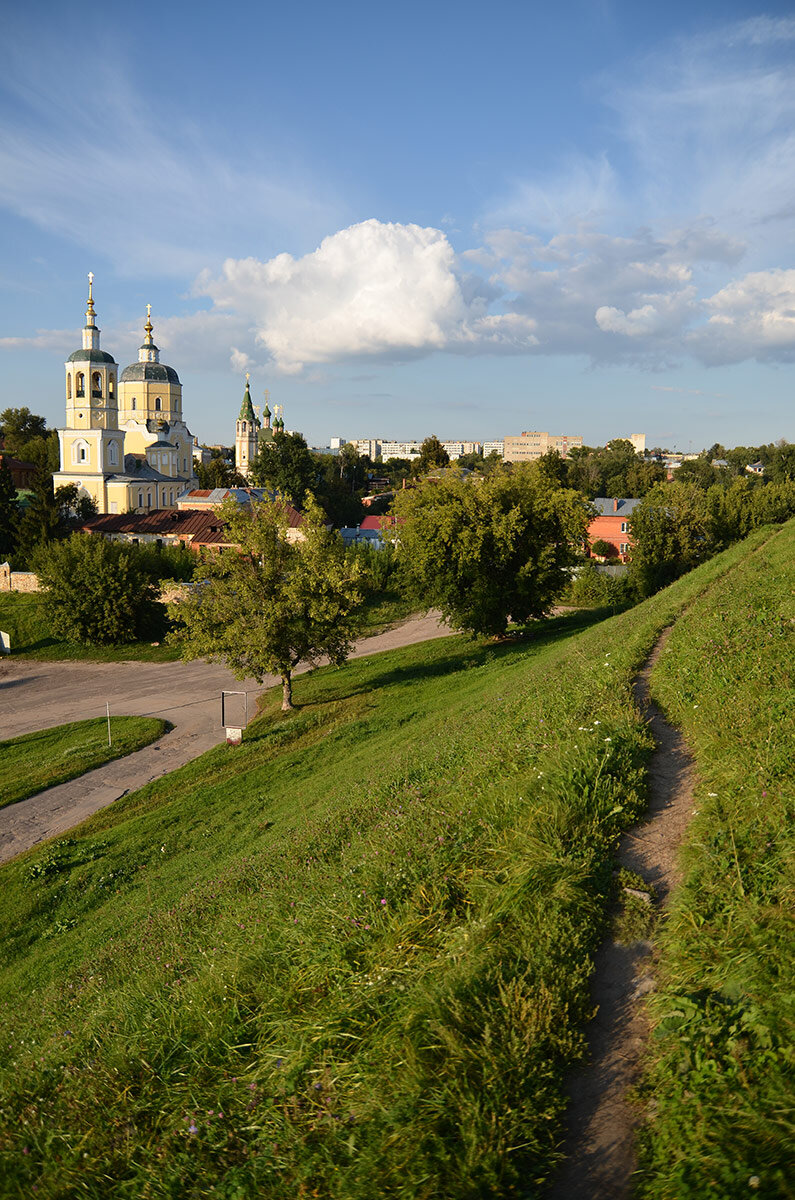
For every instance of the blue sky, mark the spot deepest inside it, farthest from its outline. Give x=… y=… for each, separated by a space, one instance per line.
x=440 y=217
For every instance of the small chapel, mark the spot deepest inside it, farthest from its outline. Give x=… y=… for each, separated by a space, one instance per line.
x=125 y=444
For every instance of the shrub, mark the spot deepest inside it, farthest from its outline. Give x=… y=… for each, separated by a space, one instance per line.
x=96 y=592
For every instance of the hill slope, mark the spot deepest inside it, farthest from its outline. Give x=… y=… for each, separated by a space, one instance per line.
x=349 y=959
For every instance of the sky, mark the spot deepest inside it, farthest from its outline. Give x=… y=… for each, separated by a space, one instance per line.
x=451 y=218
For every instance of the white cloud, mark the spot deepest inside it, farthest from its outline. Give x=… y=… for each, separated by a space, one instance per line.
x=372 y=289
x=44 y=339
x=752 y=317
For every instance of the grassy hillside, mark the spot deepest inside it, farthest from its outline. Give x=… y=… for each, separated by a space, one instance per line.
x=349 y=959
x=722 y=1075
x=35 y=761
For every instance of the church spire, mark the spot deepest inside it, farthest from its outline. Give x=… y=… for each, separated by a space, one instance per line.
x=247 y=407
x=90 y=330
x=148 y=351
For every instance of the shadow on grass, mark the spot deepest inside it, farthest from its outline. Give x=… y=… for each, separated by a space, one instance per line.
x=457 y=657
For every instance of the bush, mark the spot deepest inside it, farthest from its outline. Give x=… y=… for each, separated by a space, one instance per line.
x=97 y=592
x=379 y=565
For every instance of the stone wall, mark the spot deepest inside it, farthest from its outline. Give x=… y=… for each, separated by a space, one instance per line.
x=17 y=581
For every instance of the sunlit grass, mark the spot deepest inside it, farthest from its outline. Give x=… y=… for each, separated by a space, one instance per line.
x=350 y=958
x=35 y=761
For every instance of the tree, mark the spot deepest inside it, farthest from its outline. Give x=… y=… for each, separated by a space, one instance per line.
x=9 y=512
x=218 y=473
x=432 y=456
x=671 y=533
x=483 y=552
x=96 y=592
x=287 y=466
x=26 y=436
x=267 y=604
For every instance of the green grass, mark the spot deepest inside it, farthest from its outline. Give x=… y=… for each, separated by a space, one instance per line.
x=22 y=616
x=351 y=958
x=384 y=610
x=721 y=1076
x=35 y=761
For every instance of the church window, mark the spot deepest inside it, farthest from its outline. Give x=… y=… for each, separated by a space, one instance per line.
x=68 y=387
x=132 y=404
x=140 y=499
x=111 y=387
x=96 y=385
x=157 y=404
x=148 y=499
x=113 y=456
x=80 y=384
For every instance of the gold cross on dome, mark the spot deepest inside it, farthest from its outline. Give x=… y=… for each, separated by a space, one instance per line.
x=149 y=310
x=248 y=376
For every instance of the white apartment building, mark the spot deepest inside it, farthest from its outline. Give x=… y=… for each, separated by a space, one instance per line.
x=529 y=446
x=410 y=450
x=493 y=448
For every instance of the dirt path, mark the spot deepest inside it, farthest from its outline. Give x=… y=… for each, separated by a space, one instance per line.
x=38 y=695
x=600 y=1156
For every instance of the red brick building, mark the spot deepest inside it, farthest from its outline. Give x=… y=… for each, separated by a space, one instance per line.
x=612 y=525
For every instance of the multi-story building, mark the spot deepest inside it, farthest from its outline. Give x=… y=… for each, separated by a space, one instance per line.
x=125 y=444
x=611 y=525
x=410 y=450
x=529 y=446
x=493 y=448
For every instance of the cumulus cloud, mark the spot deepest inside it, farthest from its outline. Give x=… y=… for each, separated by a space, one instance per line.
x=372 y=289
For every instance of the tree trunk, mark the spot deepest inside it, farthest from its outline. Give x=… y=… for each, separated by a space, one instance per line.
x=287 y=691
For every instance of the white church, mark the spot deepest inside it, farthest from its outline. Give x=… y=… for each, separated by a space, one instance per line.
x=126 y=444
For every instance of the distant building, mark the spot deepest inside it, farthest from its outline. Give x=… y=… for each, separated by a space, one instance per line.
x=22 y=473
x=527 y=447
x=493 y=448
x=251 y=433
x=409 y=450
x=638 y=442
x=612 y=525
x=371 y=447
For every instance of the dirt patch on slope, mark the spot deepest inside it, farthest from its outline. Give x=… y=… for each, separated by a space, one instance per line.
x=600 y=1155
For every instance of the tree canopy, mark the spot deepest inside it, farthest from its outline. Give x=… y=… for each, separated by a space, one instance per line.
x=96 y=592
x=432 y=456
x=267 y=604
x=487 y=551
x=287 y=466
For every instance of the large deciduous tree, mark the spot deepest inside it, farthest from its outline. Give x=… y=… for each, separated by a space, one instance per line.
x=491 y=551
x=267 y=604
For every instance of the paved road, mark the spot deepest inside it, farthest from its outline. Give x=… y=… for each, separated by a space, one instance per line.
x=38 y=695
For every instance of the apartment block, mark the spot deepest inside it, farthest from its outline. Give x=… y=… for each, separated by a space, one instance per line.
x=528 y=446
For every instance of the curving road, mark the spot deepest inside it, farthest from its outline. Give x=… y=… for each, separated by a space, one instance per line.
x=37 y=695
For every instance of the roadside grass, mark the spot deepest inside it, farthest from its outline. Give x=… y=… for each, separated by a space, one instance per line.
x=384 y=610
x=719 y=1084
x=35 y=761
x=22 y=616
x=349 y=959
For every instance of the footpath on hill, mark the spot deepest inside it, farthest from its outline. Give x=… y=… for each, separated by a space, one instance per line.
x=38 y=695
x=600 y=1150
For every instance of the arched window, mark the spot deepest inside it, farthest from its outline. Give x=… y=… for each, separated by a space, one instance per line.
x=140 y=499
x=113 y=454
x=96 y=385
x=132 y=404
x=157 y=404
x=80 y=384
x=68 y=387
x=79 y=452
x=111 y=387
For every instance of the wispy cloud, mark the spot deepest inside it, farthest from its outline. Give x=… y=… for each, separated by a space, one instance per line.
x=155 y=192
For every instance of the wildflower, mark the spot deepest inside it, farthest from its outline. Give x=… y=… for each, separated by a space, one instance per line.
x=383 y=901
x=608 y=739
x=713 y=795
x=193 y=1129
